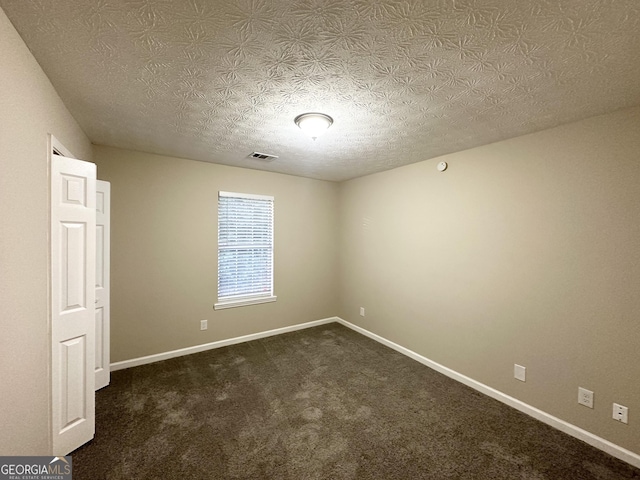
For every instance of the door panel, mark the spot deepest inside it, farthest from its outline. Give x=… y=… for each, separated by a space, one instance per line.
x=102 y=287
x=99 y=343
x=73 y=244
x=72 y=274
x=73 y=359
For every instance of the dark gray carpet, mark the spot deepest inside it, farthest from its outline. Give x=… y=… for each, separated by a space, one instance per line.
x=322 y=403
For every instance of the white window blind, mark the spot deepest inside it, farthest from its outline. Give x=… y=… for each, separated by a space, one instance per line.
x=245 y=249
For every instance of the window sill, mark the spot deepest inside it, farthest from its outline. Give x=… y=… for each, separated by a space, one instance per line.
x=242 y=302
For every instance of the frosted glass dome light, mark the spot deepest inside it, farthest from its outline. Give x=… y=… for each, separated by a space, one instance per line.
x=314 y=124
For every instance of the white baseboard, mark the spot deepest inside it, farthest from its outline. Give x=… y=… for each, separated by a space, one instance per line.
x=135 y=362
x=577 y=432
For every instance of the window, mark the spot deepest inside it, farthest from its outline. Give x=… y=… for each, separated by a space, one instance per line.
x=245 y=249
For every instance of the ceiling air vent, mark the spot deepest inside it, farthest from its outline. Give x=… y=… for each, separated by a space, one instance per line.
x=265 y=157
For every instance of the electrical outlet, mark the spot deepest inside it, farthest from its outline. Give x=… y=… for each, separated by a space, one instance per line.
x=203 y=324
x=362 y=311
x=585 y=397
x=519 y=372
x=620 y=413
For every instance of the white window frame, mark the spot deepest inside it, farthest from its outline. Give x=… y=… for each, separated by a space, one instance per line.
x=243 y=300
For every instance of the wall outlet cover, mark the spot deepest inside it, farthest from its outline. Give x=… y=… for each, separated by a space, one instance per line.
x=620 y=413
x=585 y=397
x=519 y=372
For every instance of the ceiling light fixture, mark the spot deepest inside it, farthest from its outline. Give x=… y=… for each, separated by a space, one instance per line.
x=313 y=124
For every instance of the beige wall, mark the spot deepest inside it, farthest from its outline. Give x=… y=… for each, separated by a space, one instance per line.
x=164 y=251
x=523 y=251
x=29 y=110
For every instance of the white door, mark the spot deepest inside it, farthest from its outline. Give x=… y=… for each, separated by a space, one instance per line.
x=73 y=247
x=103 y=248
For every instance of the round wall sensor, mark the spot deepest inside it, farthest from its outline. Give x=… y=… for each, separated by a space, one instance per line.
x=442 y=166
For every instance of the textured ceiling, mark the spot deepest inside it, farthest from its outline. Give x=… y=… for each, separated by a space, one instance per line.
x=405 y=81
